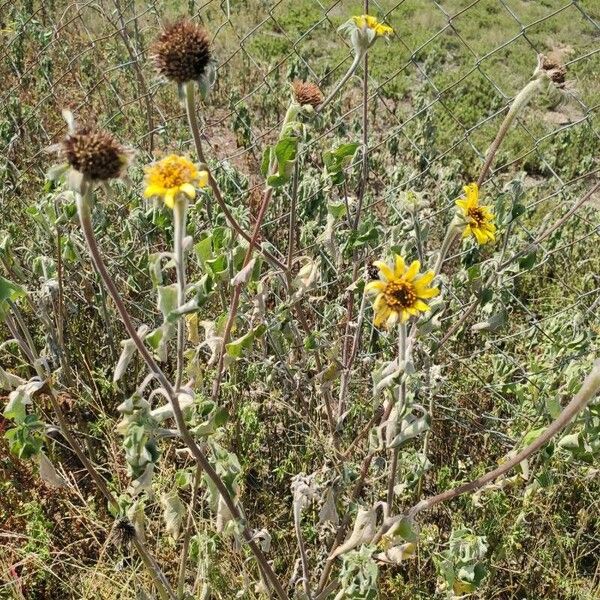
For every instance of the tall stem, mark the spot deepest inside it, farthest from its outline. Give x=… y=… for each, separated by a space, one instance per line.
x=190 y=110
x=401 y=403
x=589 y=389
x=179 y=223
x=520 y=102
x=237 y=291
x=202 y=461
x=293 y=209
x=212 y=182
x=188 y=534
x=340 y=84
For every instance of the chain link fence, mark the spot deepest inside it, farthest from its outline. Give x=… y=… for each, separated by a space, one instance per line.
x=435 y=96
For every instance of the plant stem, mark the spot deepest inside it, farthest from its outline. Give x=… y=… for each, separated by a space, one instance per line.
x=302 y=549
x=214 y=186
x=83 y=207
x=589 y=389
x=235 y=301
x=292 y=223
x=520 y=102
x=401 y=403
x=449 y=238
x=179 y=224
x=188 y=534
x=340 y=84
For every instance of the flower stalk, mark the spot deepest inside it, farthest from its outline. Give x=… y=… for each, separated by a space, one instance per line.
x=179 y=225
x=340 y=84
x=83 y=208
x=401 y=400
x=589 y=389
x=521 y=100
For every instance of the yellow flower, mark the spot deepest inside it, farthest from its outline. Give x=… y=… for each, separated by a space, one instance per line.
x=367 y=21
x=479 y=219
x=173 y=176
x=400 y=292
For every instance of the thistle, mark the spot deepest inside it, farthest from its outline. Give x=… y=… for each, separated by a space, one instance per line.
x=94 y=153
x=556 y=72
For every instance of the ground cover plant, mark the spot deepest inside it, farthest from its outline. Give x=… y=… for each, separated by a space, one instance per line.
x=299 y=300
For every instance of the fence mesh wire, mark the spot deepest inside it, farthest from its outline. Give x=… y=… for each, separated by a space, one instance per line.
x=443 y=58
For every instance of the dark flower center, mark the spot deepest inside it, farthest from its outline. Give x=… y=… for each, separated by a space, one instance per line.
x=400 y=294
x=477 y=215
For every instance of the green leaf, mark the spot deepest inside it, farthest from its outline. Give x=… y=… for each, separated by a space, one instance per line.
x=337 y=209
x=276 y=180
x=167 y=299
x=517 y=210
x=8 y=291
x=173 y=511
x=406 y=530
x=204 y=249
x=237 y=347
x=526 y=262
x=285 y=153
x=266 y=162
x=410 y=428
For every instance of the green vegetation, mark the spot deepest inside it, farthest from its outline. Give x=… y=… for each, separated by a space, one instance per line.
x=439 y=88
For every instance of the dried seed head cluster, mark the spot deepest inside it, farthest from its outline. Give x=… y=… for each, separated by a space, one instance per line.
x=555 y=71
x=182 y=52
x=306 y=93
x=124 y=531
x=94 y=153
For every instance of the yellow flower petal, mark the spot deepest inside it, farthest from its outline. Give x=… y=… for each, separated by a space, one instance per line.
x=189 y=190
x=420 y=305
x=153 y=190
x=202 y=180
x=384 y=270
x=381 y=316
x=480 y=236
x=400 y=265
x=375 y=286
x=424 y=280
x=412 y=270
x=379 y=302
x=169 y=198
x=472 y=191
x=429 y=293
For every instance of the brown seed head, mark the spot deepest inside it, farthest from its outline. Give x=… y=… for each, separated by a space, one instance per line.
x=306 y=93
x=124 y=531
x=555 y=70
x=97 y=154
x=182 y=52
